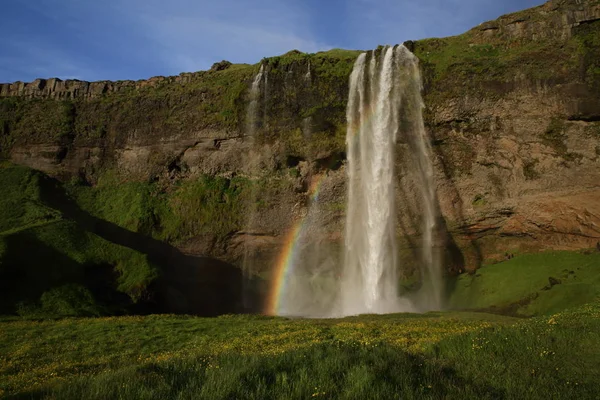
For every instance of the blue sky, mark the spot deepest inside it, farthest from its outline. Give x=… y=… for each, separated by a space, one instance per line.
x=136 y=39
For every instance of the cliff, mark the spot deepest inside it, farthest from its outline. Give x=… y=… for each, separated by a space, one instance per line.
x=512 y=106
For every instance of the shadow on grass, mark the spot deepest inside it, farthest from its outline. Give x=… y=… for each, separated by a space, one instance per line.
x=326 y=370
x=187 y=284
x=30 y=267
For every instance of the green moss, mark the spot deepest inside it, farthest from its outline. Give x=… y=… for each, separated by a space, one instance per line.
x=588 y=40
x=34 y=120
x=479 y=201
x=295 y=99
x=318 y=144
x=209 y=205
x=129 y=204
x=21 y=205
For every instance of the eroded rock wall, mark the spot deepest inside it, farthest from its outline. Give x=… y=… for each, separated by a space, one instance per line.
x=513 y=108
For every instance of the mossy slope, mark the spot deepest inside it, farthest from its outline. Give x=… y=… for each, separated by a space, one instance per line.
x=531 y=284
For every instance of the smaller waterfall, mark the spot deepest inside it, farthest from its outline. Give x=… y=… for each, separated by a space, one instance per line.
x=249 y=156
x=252 y=111
x=307 y=122
x=266 y=97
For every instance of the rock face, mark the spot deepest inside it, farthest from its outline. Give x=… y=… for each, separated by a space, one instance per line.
x=55 y=88
x=513 y=109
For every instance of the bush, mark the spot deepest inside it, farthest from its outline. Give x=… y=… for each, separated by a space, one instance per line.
x=69 y=300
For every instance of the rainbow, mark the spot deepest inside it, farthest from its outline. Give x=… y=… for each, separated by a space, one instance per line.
x=287 y=257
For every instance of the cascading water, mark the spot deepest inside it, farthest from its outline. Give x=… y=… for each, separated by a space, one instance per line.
x=384 y=107
x=384 y=103
x=252 y=123
x=252 y=112
x=413 y=131
x=307 y=122
x=369 y=277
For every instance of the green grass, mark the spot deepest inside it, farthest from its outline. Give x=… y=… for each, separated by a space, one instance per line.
x=435 y=355
x=20 y=205
x=521 y=286
x=45 y=257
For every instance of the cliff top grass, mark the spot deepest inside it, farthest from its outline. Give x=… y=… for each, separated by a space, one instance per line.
x=480 y=64
x=436 y=355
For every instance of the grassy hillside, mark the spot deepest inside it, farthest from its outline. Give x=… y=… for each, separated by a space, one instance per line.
x=51 y=264
x=436 y=355
x=530 y=284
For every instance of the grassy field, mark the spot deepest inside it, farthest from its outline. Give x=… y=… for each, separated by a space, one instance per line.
x=435 y=355
x=530 y=284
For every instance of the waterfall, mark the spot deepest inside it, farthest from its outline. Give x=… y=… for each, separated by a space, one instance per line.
x=252 y=111
x=384 y=113
x=249 y=156
x=369 y=277
x=307 y=76
x=430 y=294
x=385 y=91
x=266 y=97
x=307 y=122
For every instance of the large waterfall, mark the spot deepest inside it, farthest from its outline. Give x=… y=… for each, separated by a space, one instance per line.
x=384 y=114
x=384 y=103
x=369 y=279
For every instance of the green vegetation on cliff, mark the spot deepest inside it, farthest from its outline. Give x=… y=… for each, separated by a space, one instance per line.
x=211 y=100
x=487 y=66
x=108 y=244
x=34 y=121
x=306 y=97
